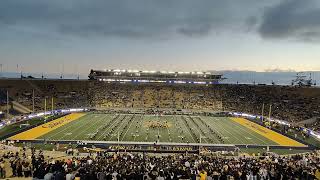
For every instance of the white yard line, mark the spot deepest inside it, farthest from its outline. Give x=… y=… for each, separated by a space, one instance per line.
x=123 y=121
x=169 y=135
x=68 y=126
x=231 y=135
x=194 y=124
x=249 y=131
x=92 y=124
x=184 y=123
x=240 y=131
x=180 y=126
x=132 y=122
x=213 y=137
x=107 y=119
x=105 y=131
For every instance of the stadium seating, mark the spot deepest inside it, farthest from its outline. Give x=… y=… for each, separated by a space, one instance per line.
x=144 y=166
x=288 y=103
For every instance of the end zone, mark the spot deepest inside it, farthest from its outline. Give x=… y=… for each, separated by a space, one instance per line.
x=38 y=131
x=272 y=135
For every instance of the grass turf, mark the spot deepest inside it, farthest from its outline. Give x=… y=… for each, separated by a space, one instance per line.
x=14 y=128
x=135 y=128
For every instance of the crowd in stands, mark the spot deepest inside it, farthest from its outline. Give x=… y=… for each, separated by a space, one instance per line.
x=292 y=104
x=289 y=103
x=65 y=94
x=106 y=95
x=117 y=166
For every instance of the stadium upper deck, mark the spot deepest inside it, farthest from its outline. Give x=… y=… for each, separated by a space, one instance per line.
x=117 y=75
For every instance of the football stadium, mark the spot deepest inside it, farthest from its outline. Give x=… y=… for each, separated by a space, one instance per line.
x=159 y=90
x=164 y=114
x=131 y=110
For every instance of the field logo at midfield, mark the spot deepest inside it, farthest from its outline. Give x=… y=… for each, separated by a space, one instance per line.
x=272 y=135
x=38 y=131
x=157 y=124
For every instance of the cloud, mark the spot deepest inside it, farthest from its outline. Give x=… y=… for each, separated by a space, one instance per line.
x=292 y=19
x=127 y=18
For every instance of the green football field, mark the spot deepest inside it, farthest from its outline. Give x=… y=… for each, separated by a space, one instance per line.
x=150 y=128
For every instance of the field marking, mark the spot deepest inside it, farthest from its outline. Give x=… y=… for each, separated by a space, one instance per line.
x=92 y=125
x=224 y=137
x=184 y=123
x=38 y=131
x=200 y=127
x=124 y=121
x=185 y=129
x=74 y=124
x=64 y=128
x=205 y=124
x=113 y=118
x=106 y=119
x=76 y=127
x=79 y=126
x=131 y=128
x=142 y=120
x=232 y=133
x=169 y=134
x=244 y=132
x=132 y=122
x=253 y=135
x=272 y=135
x=141 y=123
x=224 y=129
x=111 y=125
x=126 y=118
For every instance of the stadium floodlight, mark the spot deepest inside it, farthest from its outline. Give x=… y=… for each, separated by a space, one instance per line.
x=180 y=82
x=199 y=82
x=160 y=81
x=132 y=71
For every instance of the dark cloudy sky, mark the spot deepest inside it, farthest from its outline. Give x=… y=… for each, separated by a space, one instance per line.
x=46 y=35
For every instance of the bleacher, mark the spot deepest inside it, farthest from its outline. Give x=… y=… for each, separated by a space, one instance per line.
x=288 y=103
